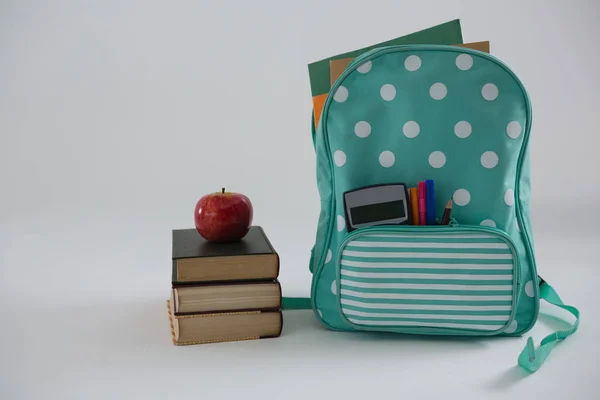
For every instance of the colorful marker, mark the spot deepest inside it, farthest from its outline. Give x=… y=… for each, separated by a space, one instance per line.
x=422 y=208
x=430 y=202
x=414 y=206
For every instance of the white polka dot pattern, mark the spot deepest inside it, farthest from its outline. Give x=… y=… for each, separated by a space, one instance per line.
x=412 y=63
x=438 y=91
x=411 y=129
x=462 y=129
x=488 y=222
x=509 y=197
x=339 y=157
x=513 y=130
x=437 y=159
x=529 y=289
x=464 y=62
x=341 y=94
x=489 y=159
x=362 y=129
x=461 y=197
x=365 y=67
x=489 y=91
x=387 y=159
x=341 y=223
x=388 y=92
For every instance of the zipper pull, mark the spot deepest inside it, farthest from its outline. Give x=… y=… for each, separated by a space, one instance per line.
x=451 y=222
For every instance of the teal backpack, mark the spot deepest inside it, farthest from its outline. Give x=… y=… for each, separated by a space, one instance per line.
x=402 y=115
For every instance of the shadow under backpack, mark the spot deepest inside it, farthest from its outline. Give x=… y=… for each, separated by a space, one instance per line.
x=459 y=117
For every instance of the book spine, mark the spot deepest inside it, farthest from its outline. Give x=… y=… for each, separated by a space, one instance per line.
x=273 y=250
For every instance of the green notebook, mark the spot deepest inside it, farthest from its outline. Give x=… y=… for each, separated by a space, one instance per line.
x=446 y=33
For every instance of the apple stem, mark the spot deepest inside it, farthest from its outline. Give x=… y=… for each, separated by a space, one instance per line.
x=222 y=190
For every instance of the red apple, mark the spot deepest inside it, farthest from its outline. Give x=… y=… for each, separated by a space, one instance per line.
x=223 y=216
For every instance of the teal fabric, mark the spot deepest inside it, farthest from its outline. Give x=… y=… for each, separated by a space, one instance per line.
x=295 y=303
x=405 y=114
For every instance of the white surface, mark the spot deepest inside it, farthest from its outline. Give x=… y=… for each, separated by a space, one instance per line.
x=115 y=117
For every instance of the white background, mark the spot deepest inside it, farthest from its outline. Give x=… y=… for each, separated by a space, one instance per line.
x=116 y=116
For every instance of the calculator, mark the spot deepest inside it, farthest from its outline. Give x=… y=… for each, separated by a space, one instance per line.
x=377 y=205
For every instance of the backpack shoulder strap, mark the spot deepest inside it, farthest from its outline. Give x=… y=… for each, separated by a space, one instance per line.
x=296 y=303
x=531 y=358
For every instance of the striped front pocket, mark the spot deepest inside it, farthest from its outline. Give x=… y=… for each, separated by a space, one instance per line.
x=428 y=280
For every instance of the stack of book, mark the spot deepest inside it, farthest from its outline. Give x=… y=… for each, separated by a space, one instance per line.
x=224 y=291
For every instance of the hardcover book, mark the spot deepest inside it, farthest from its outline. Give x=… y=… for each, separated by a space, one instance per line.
x=197 y=260
x=223 y=327
x=227 y=297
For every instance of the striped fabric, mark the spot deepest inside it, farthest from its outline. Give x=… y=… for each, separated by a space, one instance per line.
x=439 y=280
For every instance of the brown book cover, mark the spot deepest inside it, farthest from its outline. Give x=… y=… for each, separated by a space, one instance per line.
x=223 y=327
x=196 y=260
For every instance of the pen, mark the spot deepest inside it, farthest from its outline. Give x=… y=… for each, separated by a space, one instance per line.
x=430 y=202
x=414 y=205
